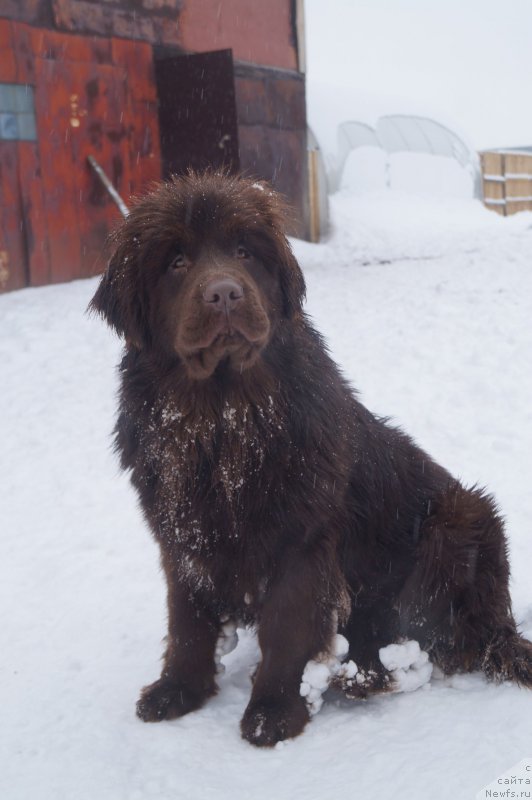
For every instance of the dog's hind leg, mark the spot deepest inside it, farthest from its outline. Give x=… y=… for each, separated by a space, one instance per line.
x=456 y=602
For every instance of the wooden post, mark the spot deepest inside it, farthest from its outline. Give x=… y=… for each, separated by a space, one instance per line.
x=314 y=199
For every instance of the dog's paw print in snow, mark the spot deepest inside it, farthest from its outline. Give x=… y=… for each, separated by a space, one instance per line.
x=408 y=665
x=226 y=643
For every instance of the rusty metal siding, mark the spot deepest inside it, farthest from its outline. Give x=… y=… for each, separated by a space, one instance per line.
x=154 y=21
x=12 y=251
x=273 y=133
x=97 y=93
x=258 y=31
x=92 y=95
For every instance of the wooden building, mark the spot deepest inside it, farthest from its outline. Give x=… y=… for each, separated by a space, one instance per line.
x=148 y=87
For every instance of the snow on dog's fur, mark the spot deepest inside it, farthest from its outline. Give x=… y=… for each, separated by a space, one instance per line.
x=274 y=495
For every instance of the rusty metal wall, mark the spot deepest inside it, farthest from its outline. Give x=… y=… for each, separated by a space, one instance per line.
x=273 y=133
x=258 y=31
x=92 y=96
x=95 y=92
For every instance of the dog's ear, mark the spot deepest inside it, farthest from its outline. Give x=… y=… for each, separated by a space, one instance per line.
x=120 y=297
x=277 y=214
x=291 y=278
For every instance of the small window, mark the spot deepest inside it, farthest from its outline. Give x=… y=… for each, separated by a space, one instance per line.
x=17 y=112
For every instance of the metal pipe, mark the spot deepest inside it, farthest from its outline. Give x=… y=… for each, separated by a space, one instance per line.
x=124 y=210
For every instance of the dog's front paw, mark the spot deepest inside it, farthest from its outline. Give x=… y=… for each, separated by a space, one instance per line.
x=269 y=721
x=166 y=699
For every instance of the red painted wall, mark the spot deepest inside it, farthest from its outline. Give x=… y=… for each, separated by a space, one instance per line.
x=93 y=95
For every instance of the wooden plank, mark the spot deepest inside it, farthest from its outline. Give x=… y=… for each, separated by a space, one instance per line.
x=494 y=191
x=493 y=185
x=314 y=196
x=518 y=188
x=513 y=207
x=520 y=164
x=491 y=163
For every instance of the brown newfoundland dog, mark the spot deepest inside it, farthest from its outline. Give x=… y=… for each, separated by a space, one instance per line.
x=276 y=498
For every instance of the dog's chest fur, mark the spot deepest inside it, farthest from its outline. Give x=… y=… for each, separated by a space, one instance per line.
x=195 y=470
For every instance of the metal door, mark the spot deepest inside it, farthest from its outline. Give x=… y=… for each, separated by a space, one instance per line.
x=197 y=111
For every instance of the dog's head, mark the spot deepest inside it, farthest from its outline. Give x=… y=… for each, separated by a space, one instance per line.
x=202 y=271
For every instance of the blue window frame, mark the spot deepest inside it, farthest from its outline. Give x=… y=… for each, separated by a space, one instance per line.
x=17 y=113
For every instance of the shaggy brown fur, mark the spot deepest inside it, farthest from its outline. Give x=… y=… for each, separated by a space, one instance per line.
x=275 y=496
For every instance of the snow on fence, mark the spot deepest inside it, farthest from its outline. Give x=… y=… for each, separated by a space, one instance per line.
x=507 y=181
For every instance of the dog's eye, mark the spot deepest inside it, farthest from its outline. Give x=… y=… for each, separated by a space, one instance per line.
x=241 y=252
x=178 y=261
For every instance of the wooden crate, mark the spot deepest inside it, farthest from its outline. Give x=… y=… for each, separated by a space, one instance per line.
x=507 y=181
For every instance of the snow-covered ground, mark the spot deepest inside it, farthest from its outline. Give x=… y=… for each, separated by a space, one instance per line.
x=427 y=304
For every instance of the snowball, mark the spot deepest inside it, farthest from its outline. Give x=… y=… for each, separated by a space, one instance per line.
x=399 y=656
x=340 y=646
x=348 y=670
x=318 y=673
x=409 y=665
x=226 y=643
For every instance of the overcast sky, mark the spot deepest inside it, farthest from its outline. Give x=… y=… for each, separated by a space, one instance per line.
x=468 y=62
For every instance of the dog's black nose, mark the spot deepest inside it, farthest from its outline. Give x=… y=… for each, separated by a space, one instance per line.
x=223 y=294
